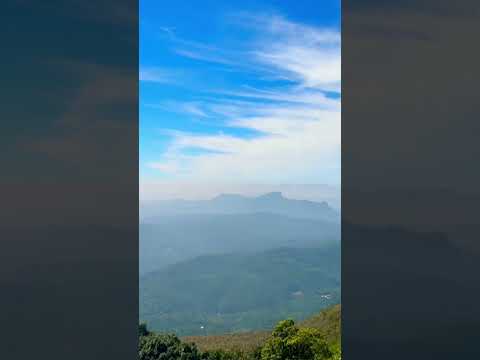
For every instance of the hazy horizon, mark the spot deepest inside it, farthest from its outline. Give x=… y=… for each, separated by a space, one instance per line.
x=164 y=191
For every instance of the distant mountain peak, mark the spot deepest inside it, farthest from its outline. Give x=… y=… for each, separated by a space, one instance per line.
x=228 y=203
x=228 y=197
x=272 y=195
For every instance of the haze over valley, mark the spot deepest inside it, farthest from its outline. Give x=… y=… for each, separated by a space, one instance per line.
x=236 y=263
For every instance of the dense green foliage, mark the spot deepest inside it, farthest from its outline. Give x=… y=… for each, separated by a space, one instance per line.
x=230 y=355
x=240 y=292
x=286 y=342
x=142 y=330
x=327 y=322
x=165 y=347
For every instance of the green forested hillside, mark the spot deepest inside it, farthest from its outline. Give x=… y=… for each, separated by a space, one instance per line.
x=240 y=292
x=317 y=338
x=327 y=321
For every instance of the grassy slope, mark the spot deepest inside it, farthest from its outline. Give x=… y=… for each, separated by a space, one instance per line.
x=327 y=320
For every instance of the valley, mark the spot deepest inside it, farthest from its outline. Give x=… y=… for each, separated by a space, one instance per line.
x=237 y=264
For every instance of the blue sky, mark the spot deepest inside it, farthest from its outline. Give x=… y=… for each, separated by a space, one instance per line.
x=240 y=92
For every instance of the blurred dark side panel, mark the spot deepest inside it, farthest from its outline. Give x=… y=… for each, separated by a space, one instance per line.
x=410 y=179
x=69 y=179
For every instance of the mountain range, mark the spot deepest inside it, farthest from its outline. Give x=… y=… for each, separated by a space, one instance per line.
x=180 y=230
x=236 y=263
x=274 y=203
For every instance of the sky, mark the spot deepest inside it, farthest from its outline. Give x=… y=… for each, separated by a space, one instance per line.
x=239 y=93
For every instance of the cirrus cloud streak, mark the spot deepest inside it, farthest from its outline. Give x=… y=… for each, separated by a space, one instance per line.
x=295 y=119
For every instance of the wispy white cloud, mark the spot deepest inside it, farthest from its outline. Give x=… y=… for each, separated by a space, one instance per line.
x=292 y=94
x=306 y=55
x=166 y=166
x=310 y=67
x=303 y=148
x=185 y=107
x=231 y=59
x=170 y=31
x=157 y=75
x=208 y=56
x=296 y=125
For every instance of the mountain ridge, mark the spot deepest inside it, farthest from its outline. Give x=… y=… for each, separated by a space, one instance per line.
x=172 y=238
x=273 y=202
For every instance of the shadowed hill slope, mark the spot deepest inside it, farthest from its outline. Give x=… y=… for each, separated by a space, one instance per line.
x=216 y=294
